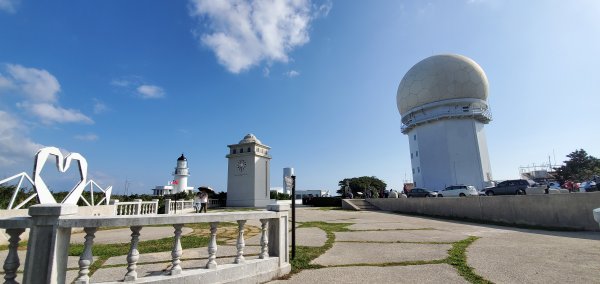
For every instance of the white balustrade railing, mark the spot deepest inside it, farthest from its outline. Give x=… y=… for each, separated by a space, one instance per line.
x=50 y=232
x=136 y=207
x=179 y=206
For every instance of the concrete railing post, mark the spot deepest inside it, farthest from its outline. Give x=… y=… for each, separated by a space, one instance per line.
x=278 y=233
x=138 y=207
x=115 y=202
x=167 y=206
x=155 y=206
x=596 y=213
x=48 y=245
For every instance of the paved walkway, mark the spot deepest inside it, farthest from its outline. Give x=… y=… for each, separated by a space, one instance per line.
x=381 y=247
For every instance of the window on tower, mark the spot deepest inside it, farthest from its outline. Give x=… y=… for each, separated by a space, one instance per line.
x=415 y=137
x=417 y=153
x=242 y=150
x=234 y=151
x=418 y=169
x=249 y=150
x=411 y=155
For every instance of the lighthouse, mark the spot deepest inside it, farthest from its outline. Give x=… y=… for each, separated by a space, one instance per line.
x=179 y=182
x=180 y=175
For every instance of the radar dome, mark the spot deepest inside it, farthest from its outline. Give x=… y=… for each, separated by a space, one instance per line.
x=441 y=77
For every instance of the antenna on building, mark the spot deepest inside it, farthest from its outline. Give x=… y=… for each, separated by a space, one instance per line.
x=127 y=183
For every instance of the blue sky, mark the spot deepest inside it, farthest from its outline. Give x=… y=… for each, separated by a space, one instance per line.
x=133 y=84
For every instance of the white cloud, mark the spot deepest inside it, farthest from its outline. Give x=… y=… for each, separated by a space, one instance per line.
x=243 y=33
x=37 y=84
x=40 y=90
x=15 y=146
x=136 y=85
x=9 y=6
x=5 y=83
x=99 y=106
x=50 y=113
x=87 y=137
x=292 y=73
x=120 y=82
x=150 y=92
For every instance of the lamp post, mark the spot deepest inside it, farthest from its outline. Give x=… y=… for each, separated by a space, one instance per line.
x=293 y=216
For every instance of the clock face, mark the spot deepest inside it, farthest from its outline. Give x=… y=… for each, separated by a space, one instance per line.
x=241 y=165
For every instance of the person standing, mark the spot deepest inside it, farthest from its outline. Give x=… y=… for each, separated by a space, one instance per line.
x=203 y=201
x=197 y=202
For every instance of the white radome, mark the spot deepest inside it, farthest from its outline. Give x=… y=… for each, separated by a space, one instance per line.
x=441 y=77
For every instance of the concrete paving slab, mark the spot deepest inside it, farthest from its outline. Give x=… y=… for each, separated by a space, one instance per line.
x=385 y=226
x=222 y=251
x=431 y=273
x=123 y=235
x=313 y=237
x=71 y=276
x=537 y=257
x=310 y=237
x=145 y=270
x=400 y=236
x=354 y=253
x=72 y=261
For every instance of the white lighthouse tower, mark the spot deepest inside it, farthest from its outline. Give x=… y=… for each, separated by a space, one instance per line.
x=180 y=176
x=443 y=104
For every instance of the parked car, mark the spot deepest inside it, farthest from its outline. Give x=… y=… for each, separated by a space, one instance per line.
x=554 y=185
x=587 y=186
x=514 y=186
x=421 y=192
x=458 y=190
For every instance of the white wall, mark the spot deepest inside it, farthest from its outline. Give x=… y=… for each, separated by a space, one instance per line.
x=450 y=151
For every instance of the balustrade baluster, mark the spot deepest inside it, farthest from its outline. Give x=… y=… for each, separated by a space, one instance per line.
x=134 y=254
x=240 y=242
x=212 y=246
x=264 y=239
x=177 y=251
x=11 y=264
x=86 y=258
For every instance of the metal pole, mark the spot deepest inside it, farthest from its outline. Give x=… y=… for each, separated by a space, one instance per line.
x=293 y=216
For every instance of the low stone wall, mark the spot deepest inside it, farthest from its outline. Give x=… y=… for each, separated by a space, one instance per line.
x=566 y=211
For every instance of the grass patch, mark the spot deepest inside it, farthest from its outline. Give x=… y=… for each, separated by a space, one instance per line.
x=327 y=208
x=458 y=259
x=377 y=230
x=386 y=264
x=304 y=255
x=398 y=242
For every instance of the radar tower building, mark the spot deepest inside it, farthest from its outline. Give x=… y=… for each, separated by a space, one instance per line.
x=443 y=104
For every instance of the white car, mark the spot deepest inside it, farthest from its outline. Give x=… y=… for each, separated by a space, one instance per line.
x=458 y=191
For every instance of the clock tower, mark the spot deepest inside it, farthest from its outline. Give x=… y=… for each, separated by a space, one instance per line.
x=248 y=178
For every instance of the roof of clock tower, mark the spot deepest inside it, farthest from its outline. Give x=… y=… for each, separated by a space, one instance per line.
x=250 y=138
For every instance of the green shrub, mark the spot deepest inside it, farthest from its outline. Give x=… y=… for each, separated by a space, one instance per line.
x=326 y=201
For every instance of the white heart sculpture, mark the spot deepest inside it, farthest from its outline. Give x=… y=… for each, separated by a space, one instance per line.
x=62 y=164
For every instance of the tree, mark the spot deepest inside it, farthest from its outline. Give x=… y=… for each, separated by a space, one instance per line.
x=579 y=167
x=362 y=184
